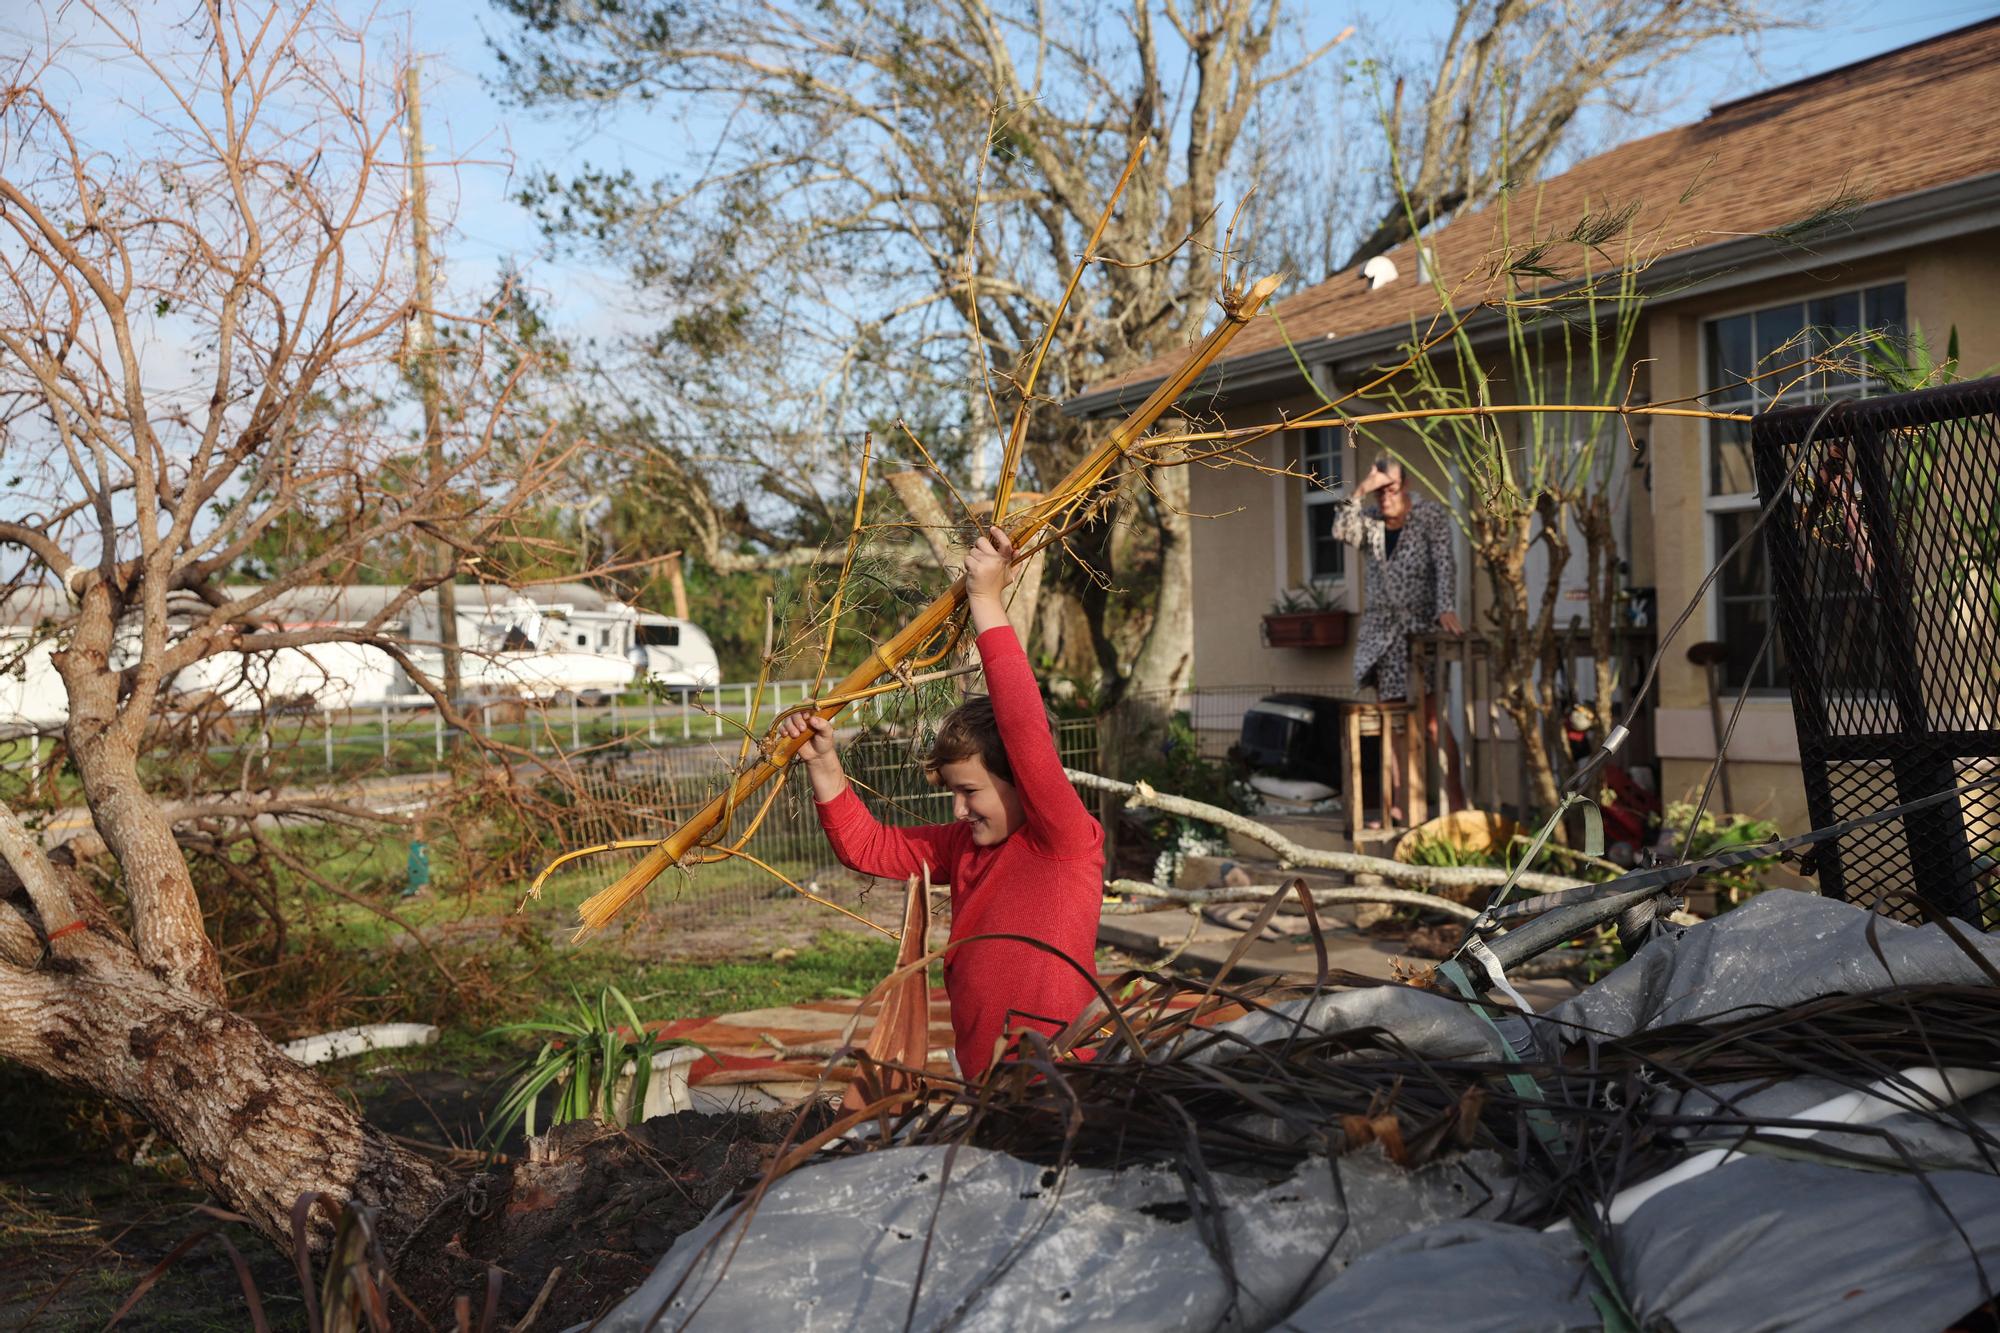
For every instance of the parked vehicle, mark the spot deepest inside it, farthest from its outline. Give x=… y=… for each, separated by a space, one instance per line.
x=674 y=652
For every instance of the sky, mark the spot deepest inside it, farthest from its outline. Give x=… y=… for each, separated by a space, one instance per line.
x=482 y=149
x=465 y=121
x=486 y=148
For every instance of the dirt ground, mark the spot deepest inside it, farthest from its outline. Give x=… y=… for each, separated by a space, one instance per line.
x=584 y=1219
x=81 y=1226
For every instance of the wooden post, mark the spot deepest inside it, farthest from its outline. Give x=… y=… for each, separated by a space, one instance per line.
x=421 y=365
x=1351 y=796
x=1416 y=750
x=1466 y=760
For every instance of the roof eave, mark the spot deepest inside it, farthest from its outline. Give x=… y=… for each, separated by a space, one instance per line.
x=1904 y=222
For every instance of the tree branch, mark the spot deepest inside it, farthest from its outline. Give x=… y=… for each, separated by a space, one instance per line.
x=1140 y=796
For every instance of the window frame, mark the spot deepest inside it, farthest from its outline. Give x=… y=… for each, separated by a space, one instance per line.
x=1716 y=506
x=1314 y=497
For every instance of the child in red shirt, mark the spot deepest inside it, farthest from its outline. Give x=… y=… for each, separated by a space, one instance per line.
x=1023 y=856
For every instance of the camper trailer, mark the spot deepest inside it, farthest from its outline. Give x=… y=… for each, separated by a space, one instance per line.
x=555 y=642
x=31 y=693
x=674 y=652
x=542 y=650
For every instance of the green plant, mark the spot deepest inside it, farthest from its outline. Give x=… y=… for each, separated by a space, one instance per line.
x=1553 y=859
x=1718 y=832
x=1170 y=759
x=1906 y=363
x=582 y=1059
x=1298 y=601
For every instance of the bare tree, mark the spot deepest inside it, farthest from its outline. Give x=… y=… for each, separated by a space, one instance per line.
x=1532 y=66
x=899 y=194
x=192 y=314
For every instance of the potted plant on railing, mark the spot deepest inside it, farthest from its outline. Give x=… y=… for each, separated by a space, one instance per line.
x=1305 y=618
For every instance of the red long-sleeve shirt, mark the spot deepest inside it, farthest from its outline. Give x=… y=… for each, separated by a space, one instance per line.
x=1045 y=881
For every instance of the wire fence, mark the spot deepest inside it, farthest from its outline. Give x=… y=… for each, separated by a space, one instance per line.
x=645 y=792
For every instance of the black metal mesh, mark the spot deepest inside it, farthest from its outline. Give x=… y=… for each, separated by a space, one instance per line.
x=1885 y=562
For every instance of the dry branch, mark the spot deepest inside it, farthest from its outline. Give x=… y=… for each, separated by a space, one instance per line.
x=1167 y=896
x=1140 y=796
x=935 y=619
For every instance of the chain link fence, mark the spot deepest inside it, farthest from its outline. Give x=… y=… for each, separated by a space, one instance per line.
x=644 y=792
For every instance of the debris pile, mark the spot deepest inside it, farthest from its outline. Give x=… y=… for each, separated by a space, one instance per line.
x=1314 y=1162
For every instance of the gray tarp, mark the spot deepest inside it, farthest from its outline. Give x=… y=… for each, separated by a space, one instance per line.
x=1764 y=1242
x=1018 y=1247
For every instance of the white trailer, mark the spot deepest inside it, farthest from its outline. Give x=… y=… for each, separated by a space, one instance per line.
x=674 y=652
x=32 y=697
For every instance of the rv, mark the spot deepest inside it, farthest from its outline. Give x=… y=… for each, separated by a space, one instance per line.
x=675 y=653
x=556 y=642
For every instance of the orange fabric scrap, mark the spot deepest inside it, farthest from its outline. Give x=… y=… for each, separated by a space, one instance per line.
x=902 y=1032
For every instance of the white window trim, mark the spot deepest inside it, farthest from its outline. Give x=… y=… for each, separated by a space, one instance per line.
x=1313 y=497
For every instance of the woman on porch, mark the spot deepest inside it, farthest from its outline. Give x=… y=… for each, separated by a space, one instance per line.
x=1412 y=581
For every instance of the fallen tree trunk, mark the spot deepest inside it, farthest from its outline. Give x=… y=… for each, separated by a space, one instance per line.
x=256 y=1127
x=1166 y=896
x=1139 y=796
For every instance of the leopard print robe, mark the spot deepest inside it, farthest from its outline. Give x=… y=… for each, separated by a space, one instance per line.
x=1406 y=592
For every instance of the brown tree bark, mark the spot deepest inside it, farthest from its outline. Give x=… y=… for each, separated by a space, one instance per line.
x=1600 y=553
x=256 y=1128
x=141 y=1018
x=1167 y=658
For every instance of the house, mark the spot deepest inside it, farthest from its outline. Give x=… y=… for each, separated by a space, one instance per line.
x=1898 y=158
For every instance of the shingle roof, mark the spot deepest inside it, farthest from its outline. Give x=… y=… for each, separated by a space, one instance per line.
x=1913 y=119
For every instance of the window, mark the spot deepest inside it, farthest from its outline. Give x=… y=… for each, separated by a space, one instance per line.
x=660 y=636
x=1319 y=459
x=1738 y=350
x=583 y=641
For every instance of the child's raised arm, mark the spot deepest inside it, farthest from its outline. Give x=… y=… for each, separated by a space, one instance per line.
x=862 y=842
x=1057 y=817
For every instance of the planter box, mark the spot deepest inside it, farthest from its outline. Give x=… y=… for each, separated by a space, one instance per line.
x=1306 y=629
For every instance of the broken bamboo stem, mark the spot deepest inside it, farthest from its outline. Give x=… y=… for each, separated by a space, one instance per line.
x=890 y=657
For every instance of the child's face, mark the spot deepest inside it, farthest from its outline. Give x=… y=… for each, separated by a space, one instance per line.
x=981 y=799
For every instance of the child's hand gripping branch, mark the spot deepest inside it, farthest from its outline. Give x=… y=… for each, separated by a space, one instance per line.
x=1023 y=856
x=820 y=754
x=989 y=568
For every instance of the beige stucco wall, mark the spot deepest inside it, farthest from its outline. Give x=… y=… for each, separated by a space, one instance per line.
x=1246 y=547
x=1954 y=283
x=1249 y=544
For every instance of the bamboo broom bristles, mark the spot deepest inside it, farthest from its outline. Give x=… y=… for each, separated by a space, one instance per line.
x=600 y=909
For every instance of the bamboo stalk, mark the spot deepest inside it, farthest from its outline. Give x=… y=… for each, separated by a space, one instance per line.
x=600 y=909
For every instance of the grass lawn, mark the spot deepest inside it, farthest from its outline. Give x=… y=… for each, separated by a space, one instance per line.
x=472 y=959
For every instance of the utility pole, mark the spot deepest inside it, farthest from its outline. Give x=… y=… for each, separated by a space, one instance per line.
x=422 y=365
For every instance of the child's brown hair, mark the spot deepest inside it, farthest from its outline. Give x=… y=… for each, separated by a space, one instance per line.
x=969 y=731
